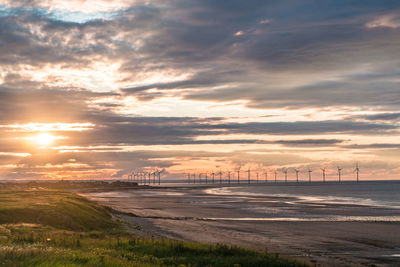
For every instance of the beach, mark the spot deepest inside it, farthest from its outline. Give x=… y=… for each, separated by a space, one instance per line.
x=317 y=223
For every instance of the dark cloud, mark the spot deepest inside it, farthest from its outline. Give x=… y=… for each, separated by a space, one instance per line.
x=180 y=131
x=384 y=116
x=373 y=146
x=310 y=142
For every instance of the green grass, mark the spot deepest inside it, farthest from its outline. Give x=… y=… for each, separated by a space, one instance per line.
x=62 y=210
x=56 y=228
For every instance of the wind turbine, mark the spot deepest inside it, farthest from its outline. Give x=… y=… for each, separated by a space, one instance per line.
x=194 y=177
x=220 y=176
x=357 y=170
x=188 y=175
x=199 y=177
x=266 y=175
x=159 y=175
x=275 y=175
x=285 y=172
x=213 y=176
x=339 y=170
x=229 y=176
x=297 y=174
x=238 y=174
x=309 y=174
x=257 y=176
x=248 y=175
x=323 y=174
x=206 y=175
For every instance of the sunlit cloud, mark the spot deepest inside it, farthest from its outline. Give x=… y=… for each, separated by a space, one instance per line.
x=239 y=33
x=265 y=21
x=84 y=6
x=48 y=127
x=386 y=21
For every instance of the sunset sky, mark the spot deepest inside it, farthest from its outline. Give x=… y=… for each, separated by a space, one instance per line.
x=95 y=89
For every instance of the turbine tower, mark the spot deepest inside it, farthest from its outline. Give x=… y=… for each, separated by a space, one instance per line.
x=339 y=170
x=206 y=175
x=229 y=176
x=238 y=175
x=266 y=175
x=309 y=174
x=159 y=176
x=199 y=177
x=220 y=176
x=248 y=175
x=275 y=175
x=285 y=172
x=357 y=170
x=213 y=176
x=297 y=174
x=323 y=174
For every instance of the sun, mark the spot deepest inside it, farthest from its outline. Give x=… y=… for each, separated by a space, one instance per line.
x=44 y=139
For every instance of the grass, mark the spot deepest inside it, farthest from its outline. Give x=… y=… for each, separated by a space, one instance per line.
x=56 y=228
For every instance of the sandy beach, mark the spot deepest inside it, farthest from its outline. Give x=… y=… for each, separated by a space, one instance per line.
x=328 y=234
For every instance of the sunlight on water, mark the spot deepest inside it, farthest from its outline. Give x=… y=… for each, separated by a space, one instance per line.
x=366 y=194
x=319 y=219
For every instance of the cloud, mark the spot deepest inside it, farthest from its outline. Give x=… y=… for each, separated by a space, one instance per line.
x=99 y=62
x=383 y=116
x=373 y=146
x=72 y=5
x=310 y=142
x=385 y=21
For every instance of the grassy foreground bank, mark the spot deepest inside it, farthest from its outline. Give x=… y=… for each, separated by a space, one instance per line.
x=41 y=227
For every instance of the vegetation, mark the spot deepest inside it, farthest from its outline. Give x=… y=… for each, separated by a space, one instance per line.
x=55 y=228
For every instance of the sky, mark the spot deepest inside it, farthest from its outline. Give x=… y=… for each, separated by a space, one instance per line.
x=96 y=89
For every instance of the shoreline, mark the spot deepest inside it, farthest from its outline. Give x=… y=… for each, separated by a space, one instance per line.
x=177 y=214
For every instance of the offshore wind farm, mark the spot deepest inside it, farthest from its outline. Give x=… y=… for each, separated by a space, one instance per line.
x=189 y=176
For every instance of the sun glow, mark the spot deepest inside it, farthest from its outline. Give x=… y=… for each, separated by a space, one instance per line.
x=44 y=139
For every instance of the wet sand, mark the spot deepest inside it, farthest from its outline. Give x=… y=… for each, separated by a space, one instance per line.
x=328 y=234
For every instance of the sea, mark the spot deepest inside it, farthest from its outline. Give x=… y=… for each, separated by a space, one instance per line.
x=303 y=201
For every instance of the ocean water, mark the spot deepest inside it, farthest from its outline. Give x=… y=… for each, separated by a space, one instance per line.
x=369 y=193
x=347 y=201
